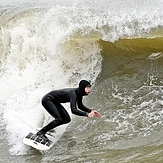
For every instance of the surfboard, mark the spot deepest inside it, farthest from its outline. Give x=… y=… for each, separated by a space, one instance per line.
x=35 y=141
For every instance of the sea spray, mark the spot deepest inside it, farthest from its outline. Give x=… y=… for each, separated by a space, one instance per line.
x=45 y=42
x=35 y=62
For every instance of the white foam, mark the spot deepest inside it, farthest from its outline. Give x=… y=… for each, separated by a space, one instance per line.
x=44 y=50
x=34 y=62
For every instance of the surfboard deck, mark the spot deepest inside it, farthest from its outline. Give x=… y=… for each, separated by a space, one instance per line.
x=37 y=142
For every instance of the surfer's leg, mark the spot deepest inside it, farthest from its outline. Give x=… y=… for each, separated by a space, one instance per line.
x=63 y=113
x=57 y=111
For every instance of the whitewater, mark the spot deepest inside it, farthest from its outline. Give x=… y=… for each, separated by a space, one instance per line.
x=117 y=45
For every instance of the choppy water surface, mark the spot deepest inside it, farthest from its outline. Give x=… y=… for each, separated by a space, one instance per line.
x=54 y=46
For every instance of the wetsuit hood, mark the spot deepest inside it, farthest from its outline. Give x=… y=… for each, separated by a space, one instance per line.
x=82 y=85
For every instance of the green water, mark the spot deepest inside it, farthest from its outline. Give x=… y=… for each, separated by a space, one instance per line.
x=45 y=49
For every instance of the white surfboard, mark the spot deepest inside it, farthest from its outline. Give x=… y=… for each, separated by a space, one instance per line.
x=36 y=142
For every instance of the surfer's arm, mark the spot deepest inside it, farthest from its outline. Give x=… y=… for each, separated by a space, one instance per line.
x=81 y=106
x=74 y=109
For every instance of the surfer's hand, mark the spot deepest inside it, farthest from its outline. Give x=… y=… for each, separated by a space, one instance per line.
x=91 y=114
x=94 y=113
x=97 y=114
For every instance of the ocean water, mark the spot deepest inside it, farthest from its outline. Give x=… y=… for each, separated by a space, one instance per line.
x=118 y=45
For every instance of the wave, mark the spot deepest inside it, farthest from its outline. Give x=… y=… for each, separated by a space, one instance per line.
x=33 y=62
x=49 y=48
x=85 y=22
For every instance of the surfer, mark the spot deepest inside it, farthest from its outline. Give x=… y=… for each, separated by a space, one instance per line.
x=52 y=103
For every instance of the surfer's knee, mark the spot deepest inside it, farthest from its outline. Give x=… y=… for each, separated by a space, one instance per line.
x=67 y=120
x=59 y=121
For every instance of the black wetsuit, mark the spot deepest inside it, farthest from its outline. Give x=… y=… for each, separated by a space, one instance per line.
x=52 y=103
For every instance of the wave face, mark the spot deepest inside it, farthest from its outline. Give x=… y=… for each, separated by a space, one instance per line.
x=116 y=45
